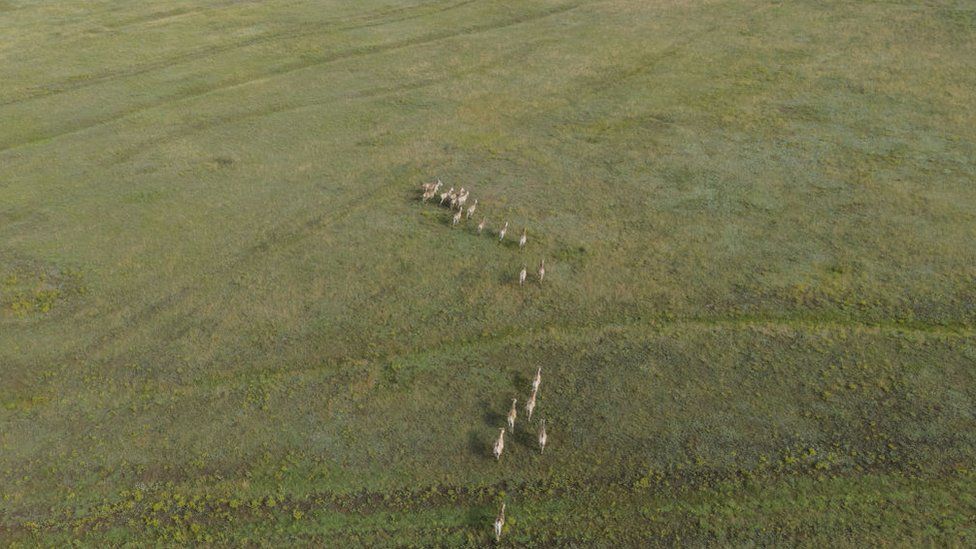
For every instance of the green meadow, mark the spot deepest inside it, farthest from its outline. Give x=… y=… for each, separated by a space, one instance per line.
x=227 y=318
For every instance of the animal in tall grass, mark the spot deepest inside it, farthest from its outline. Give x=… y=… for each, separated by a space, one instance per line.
x=481 y=226
x=430 y=189
x=499 y=444
x=523 y=238
x=512 y=414
x=456 y=198
x=542 y=437
x=501 y=233
x=530 y=405
x=537 y=380
x=500 y=523
x=457 y=218
x=542 y=270
x=432 y=186
x=446 y=195
x=522 y=276
x=471 y=210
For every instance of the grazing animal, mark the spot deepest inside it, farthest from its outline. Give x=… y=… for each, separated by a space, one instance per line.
x=522 y=276
x=511 y=416
x=499 y=444
x=537 y=380
x=445 y=196
x=500 y=523
x=471 y=209
x=522 y=240
x=457 y=218
x=530 y=405
x=542 y=270
x=501 y=233
x=542 y=437
x=481 y=226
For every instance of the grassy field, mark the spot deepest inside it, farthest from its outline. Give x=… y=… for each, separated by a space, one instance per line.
x=226 y=318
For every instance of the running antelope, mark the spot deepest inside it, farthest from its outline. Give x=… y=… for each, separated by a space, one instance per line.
x=537 y=380
x=432 y=186
x=542 y=437
x=522 y=276
x=457 y=218
x=471 y=209
x=501 y=233
x=499 y=523
x=430 y=189
x=458 y=198
x=481 y=226
x=522 y=240
x=499 y=444
x=511 y=416
x=542 y=270
x=530 y=405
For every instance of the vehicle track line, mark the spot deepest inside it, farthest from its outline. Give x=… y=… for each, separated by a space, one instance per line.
x=296 y=66
x=86 y=81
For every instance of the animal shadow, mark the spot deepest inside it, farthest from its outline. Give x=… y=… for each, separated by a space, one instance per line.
x=479 y=516
x=495 y=419
x=525 y=434
x=521 y=383
x=478 y=446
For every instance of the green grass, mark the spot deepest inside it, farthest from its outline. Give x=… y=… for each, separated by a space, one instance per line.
x=226 y=318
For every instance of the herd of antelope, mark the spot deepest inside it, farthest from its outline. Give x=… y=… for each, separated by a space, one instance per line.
x=513 y=414
x=500 y=441
x=457 y=200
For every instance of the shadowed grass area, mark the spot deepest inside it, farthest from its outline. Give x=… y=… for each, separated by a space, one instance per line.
x=226 y=317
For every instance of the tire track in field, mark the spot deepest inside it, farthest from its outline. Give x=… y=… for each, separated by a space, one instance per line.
x=588 y=331
x=648 y=62
x=581 y=332
x=310 y=29
x=176 y=12
x=156 y=17
x=135 y=150
x=295 y=66
x=280 y=236
x=619 y=483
